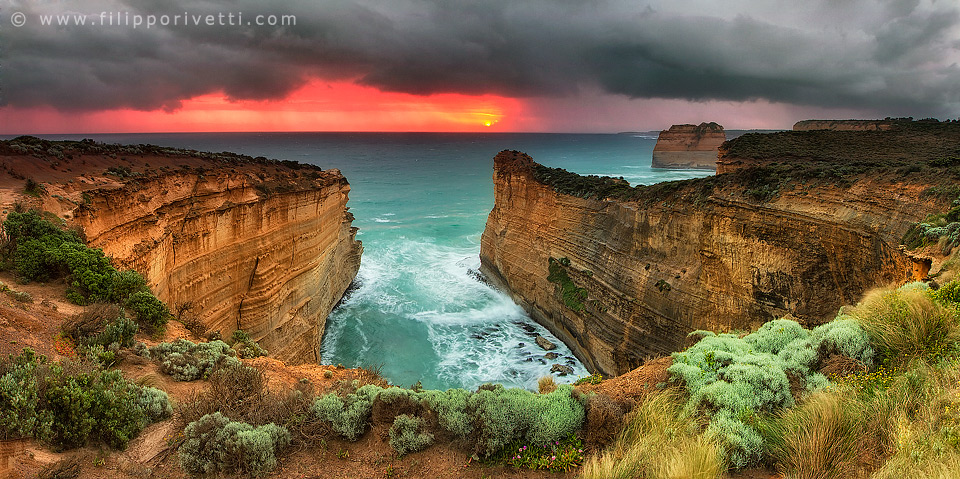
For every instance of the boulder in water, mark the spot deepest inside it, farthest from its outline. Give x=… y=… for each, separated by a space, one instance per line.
x=561 y=370
x=551 y=356
x=545 y=343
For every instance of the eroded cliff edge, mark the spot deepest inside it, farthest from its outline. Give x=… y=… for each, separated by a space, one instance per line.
x=688 y=146
x=621 y=273
x=252 y=244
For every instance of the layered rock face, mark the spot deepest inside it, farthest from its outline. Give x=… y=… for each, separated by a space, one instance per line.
x=843 y=125
x=262 y=246
x=688 y=146
x=620 y=280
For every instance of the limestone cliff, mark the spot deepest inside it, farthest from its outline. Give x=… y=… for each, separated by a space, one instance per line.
x=624 y=273
x=688 y=146
x=843 y=125
x=258 y=245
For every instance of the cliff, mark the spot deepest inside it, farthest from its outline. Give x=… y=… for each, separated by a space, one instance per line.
x=239 y=243
x=621 y=273
x=688 y=146
x=843 y=125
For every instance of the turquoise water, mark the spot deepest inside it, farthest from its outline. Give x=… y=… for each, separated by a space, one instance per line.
x=421 y=202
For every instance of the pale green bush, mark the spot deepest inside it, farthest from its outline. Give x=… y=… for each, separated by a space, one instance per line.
x=215 y=444
x=451 y=409
x=188 y=361
x=406 y=435
x=732 y=378
x=349 y=416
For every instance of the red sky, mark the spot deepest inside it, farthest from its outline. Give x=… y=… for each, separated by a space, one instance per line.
x=318 y=106
x=345 y=106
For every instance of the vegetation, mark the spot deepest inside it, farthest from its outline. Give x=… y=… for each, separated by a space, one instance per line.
x=407 y=435
x=189 y=361
x=40 y=251
x=661 y=439
x=68 y=404
x=796 y=160
x=572 y=295
x=215 y=444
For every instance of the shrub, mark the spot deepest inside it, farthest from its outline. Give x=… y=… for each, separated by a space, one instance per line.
x=451 y=409
x=349 y=416
x=948 y=293
x=506 y=415
x=246 y=348
x=546 y=385
x=215 y=444
x=907 y=324
x=149 y=309
x=732 y=379
x=406 y=435
x=125 y=284
x=67 y=405
x=188 y=361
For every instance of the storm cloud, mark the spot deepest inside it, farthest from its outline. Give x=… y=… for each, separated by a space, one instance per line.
x=899 y=57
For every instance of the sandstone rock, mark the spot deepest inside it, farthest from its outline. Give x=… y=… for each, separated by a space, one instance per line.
x=273 y=265
x=545 y=343
x=249 y=243
x=561 y=369
x=805 y=252
x=551 y=356
x=688 y=146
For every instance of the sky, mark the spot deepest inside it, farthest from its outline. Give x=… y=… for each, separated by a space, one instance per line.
x=100 y=66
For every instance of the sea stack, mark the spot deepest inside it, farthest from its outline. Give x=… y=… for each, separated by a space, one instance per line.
x=689 y=146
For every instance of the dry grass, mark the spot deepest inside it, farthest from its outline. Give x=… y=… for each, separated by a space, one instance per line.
x=658 y=441
x=906 y=324
x=546 y=385
x=832 y=434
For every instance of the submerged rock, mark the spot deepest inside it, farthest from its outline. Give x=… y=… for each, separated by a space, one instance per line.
x=561 y=370
x=551 y=356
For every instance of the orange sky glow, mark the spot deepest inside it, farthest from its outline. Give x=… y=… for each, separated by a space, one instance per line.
x=317 y=106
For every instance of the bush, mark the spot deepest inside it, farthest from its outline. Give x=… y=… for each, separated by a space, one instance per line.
x=149 y=309
x=67 y=405
x=125 y=284
x=188 y=361
x=246 y=348
x=506 y=415
x=947 y=294
x=406 y=435
x=907 y=324
x=732 y=379
x=215 y=444
x=349 y=416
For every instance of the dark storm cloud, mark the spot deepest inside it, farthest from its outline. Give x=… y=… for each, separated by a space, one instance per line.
x=898 y=56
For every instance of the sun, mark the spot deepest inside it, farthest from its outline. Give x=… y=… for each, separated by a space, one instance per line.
x=488 y=123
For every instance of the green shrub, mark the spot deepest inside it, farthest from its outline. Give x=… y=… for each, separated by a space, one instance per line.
x=732 y=379
x=126 y=283
x=246 y=348
x=406 y=435
x=121 y=332
x=68 y=406
x=451 y=409
x=149 y=309
x=948 y=293
x=349 y=416
x=215 y=444
x=506 y=415
x=188 y=361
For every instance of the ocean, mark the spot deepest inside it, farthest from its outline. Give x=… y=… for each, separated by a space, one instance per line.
x=421 y=201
